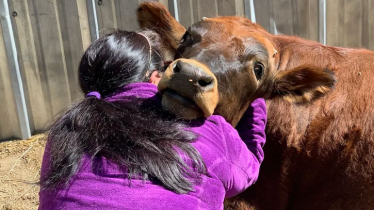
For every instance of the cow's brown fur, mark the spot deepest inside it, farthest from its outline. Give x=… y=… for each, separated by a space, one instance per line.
x=318 y=155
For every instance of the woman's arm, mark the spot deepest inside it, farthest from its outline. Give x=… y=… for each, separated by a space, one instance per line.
x=251 y=128
x=244 y=149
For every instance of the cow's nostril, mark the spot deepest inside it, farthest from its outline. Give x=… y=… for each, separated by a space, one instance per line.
x=176 y=69
x=205 y=81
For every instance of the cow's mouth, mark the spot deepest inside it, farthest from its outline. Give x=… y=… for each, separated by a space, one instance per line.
x=179 y=105
x=185 y=101
x=189 y=89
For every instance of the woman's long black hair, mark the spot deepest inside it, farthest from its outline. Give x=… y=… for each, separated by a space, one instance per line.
x=142 y=139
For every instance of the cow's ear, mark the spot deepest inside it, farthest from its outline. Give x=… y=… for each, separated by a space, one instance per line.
x=303 y=84
x=155 y=16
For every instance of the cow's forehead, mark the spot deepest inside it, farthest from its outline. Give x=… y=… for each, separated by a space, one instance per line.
x=232 y=31
x=224 y=28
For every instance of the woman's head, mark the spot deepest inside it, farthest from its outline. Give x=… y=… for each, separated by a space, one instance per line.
x=137 y=135
x=118 y=59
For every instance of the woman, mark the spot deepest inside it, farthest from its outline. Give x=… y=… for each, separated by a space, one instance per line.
x=117 y=149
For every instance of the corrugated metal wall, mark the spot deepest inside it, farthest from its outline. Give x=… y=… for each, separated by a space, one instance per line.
x=52 y=35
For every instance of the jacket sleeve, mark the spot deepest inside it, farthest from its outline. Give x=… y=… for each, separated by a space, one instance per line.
x=244 y=149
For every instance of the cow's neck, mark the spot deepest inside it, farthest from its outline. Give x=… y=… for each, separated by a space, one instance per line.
x=294 y=52
x=286 y=121
x=291 y=122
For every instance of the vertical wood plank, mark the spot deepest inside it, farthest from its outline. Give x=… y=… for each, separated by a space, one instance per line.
x=126 y=14
x=207 y=8
x=165 y=2
x=239 y=8
x=262 y=8
x=49 y=49
x=72 y=43
x=9 y=125
x=28 y=59
x=172 y=7
x=226 y=7
x=335 y=22
x=300 y=18
x=185 y=13
x=305 y=19
x=371 y=24
x=19 y=89
x=283 y=15
x=313 y=17
x=30 y=122
x=40 y=72
x=353 y=23
x=84 y=24
x=106 y=15
x=365 y=24
x=195 y=11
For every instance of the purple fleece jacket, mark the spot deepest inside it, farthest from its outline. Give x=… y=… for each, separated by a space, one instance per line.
x=232 y=157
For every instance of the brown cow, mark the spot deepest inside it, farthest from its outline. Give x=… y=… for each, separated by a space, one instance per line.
x=318 y=155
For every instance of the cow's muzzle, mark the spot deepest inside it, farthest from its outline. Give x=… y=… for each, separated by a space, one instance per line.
x=189 y=89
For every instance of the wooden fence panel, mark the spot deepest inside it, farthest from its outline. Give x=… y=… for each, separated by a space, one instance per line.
x=206 y=8
x=9 y=125
x=72 y=43
x=107 y=15
x=305 y=18
x=334 y=22
x=371 y=24
x=264 y=13
x=117 y=14
x=291 y=17
x=29 y=63
x=52 y=35
x=191 y=11
x=126 y=15
x=283 y=16
x=52 y=65
x=350 y=23
x=231 y=8
x=186 y=13
x=365 y=23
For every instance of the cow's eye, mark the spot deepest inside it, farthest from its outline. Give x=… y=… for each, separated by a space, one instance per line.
x=258 y=70
x=185 y=37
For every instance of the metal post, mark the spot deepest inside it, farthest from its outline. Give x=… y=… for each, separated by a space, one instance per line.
x=322 y=21
x=92 y=20
x=273 y=27
x=176 y=11
x=11 y=52
x=253 y=13
x=249 y=10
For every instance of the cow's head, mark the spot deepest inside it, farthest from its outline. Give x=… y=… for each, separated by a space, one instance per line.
x=241 y=56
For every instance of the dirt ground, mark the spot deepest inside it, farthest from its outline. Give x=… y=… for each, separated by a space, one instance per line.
x=19 y=171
